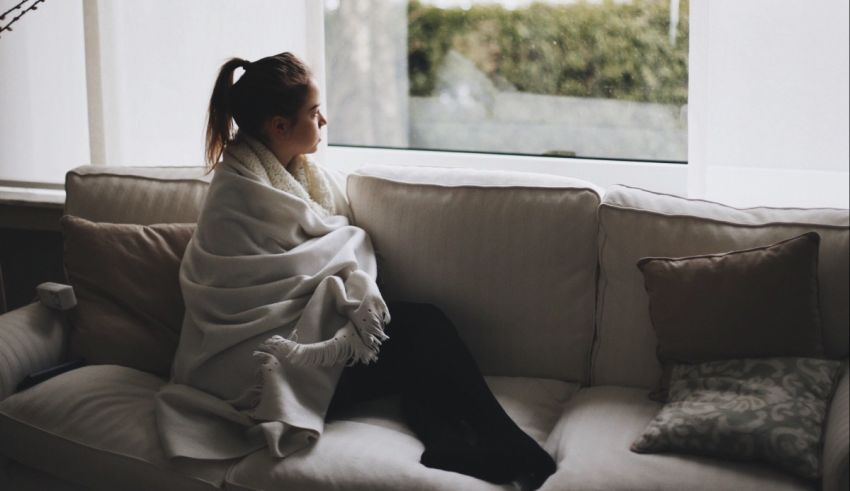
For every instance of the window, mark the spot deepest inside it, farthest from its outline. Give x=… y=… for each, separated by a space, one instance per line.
x=593 y=79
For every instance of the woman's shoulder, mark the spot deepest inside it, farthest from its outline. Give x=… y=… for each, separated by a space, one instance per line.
x=230 y=167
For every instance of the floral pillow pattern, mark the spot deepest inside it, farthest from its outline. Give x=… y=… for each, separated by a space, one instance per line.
x=769 y=409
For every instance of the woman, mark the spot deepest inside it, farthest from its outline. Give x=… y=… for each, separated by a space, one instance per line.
x=280 y=294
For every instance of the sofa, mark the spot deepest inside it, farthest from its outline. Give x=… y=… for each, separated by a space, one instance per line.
x=537 y=272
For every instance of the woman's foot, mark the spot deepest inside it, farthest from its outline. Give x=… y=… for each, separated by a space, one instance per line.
x=487 y=464
x=536 y=472
x=452 y=444
x=532 y=465
x=493 y=462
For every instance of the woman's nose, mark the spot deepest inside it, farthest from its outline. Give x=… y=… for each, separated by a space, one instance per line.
x=322 y=120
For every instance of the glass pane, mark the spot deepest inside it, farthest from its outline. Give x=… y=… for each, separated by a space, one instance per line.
x=601 y=79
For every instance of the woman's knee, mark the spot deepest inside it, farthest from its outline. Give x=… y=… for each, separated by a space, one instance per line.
x=414 y=311
x=418 y=318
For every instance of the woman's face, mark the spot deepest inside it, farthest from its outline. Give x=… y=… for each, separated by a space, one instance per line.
x=306 y=131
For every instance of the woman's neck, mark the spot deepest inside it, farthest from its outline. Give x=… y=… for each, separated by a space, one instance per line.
x=285 y=159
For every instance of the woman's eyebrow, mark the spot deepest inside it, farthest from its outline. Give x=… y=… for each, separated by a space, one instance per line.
x=314 y=107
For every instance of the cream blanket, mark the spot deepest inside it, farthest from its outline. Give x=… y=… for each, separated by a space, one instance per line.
x=280 y=292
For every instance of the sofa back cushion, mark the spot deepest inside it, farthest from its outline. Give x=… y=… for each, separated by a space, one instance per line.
x=141 y=195
x=634 y=224
x=509 y=257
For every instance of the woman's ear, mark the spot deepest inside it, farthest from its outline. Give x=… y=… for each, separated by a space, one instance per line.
x=278 y=127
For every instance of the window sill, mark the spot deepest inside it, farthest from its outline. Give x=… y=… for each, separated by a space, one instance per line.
x=31 y=208
x=661 y=177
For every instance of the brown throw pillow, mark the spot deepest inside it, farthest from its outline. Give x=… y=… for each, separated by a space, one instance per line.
x=753 y=303
x=129 y=306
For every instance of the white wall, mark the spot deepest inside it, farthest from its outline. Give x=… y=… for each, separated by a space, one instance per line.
x=769 y=102
x=157 y=62
x=43 y=120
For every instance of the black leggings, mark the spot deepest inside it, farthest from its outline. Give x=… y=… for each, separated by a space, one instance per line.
x=445 y=400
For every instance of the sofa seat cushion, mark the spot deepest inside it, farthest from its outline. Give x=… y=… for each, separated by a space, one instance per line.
x=95 y=426
x=591 y=443
x=18 y=477
x=369 y=448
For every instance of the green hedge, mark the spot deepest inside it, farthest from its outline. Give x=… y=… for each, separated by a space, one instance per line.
x=608 y=49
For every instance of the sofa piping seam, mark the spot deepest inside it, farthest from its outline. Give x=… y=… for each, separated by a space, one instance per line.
x=722 y=222
x=701 y=200
x=582 y=189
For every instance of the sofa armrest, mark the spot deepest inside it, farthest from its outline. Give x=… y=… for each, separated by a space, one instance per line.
x=837 y=437
x=32 y=338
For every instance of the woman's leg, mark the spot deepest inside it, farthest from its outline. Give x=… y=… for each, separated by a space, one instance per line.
x=360 y=383
x=444 y=382
x=448 y=444
x=446 y=400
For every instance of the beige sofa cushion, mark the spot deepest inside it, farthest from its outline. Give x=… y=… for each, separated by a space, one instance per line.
x=129 y=304
x=95 y=426
x=371 y=449
x=591 y=442
x=509 y=257
x=142 y=195
x=634 y=223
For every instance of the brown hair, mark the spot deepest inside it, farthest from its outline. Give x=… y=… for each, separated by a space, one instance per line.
x=272 y=86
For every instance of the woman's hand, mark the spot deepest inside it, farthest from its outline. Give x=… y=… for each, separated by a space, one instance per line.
x=369 y=319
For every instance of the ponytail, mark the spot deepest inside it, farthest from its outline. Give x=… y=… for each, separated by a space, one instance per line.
x=220 y=115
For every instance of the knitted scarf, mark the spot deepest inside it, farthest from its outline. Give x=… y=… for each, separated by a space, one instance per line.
x=280 y=292
x=302 y=178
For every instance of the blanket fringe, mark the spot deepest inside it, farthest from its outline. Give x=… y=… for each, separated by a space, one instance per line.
x=347 y=345
x=372 y=333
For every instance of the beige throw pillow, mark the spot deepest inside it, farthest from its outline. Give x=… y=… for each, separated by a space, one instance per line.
x=125 y=276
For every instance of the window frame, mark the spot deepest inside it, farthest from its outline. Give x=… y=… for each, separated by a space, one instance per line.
x=657 y=176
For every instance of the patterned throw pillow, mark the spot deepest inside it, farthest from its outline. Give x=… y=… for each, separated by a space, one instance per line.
x=770 y=410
